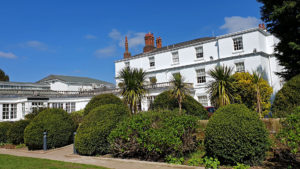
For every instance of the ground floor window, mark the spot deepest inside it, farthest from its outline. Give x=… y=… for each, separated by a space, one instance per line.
x=70 y=107
x=203 y=100
x=9 y=111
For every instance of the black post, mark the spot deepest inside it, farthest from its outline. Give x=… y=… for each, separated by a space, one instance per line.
x=45 y=141
x=74 y=149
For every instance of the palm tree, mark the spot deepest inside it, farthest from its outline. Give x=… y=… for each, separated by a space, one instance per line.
x=179 y=89
x=222 y=87
x=132 y=86
x=256 y=79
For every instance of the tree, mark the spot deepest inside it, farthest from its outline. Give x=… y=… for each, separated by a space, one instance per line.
x=246 y=92
x=3 y=76
x=132 y=86
x=179 y=89
x=283 y=20
x=222 y=87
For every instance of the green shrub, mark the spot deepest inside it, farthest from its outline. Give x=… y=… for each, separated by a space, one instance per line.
x=241 y=166
x=290 y=132
x=174 y=160
x=58 y=125
x=165 y=101
x=34 y=113
x=16 y=132
x=77 y=117
x=100 y=100
x=4 y=127
x=211 y=163
x=91 y=137
x=235 y=134
x=154 y=136
x=287 y=98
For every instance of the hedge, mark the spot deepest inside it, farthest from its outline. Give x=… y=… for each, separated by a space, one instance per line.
x=287 y=98
x=4 y=127
x=101 y=99
x=154 y=136
x=77 y=117
x=165 y=101
x=235 y=134
x=15 y=133
x=91 y=137
x=58 y=125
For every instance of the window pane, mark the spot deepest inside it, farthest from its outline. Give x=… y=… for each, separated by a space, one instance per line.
x=201 y=77
x=199 y=52
x=203 y=100
x=238 y=43
x=175 y=57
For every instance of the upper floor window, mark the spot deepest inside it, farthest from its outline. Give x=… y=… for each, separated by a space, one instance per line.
x=240 y=67
x=175 y=57
x=238 y=43
x=201 y=77
x=199 y=52
x=152 y=61
x=127 y=64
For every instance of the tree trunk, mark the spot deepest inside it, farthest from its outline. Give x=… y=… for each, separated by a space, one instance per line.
x=179 y=103
x=258 y=109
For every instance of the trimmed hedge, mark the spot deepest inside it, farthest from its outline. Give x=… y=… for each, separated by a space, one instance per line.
x=154 y=136
x=287 y=98
x=77 y=117
x=4 y=127
x=91 y=137
x=100 y=100
x=58 y=125
x=165 y=101
x=16 y=132
x=235 y=134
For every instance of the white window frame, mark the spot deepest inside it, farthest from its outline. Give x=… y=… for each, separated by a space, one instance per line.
x=152 y=62
x=203 y=99
x=23 y=110
x=175 y=57
x=127 y=64
x=238 y=43
x=199 y=55
x=9 y=111
x=240 y=67
x=201 y=75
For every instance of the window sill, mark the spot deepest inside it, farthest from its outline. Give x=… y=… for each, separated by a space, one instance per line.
x=199 y=59
x=238 y=51
x=200 y=84
x=173 y=64
x=151 y=68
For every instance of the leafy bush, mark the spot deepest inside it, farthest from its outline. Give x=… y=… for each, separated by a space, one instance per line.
x=101 y=99
x=4 y=127
x=211 y=163
x=287 y=98
x=196 y=158
x=245 y=92
x=77 y=117
x=58 y=125
x=91 y=137
x=154 y=136
x=165 y=101
x=235 y=134
x=34 y=113
x=290 y=132
x=174 y=160
x=241 y=166
x=15 y=133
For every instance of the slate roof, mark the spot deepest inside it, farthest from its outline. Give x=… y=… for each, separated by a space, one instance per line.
x=74 y=79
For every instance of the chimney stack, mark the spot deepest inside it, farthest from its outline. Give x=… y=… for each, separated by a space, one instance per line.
x=149 y=42
x=262 y=26
x=158 y=42
x=126 y=53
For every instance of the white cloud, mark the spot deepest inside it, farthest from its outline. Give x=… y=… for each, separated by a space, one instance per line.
x=237 y=23
x=89 y=36
x=135 y=39
x=35 y=45
x=105 y=52
x=8 y=55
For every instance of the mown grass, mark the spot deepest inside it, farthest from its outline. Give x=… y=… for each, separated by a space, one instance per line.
x=15 y=162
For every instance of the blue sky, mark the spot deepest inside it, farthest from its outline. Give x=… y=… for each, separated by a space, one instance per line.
x=85 y=37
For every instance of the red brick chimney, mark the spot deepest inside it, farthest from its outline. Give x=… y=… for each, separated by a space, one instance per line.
x=126 y=53
x=149 y=42
x=158 y=42
x=262 y=26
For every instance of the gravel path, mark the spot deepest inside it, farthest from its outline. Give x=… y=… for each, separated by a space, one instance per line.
x=65 y=154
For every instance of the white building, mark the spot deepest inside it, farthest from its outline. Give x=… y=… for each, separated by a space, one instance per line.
x=247 y=50
x=67 y=92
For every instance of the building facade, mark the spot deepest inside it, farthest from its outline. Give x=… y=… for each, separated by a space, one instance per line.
x=246 y=51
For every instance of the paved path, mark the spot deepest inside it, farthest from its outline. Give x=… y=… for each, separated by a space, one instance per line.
x=65 y=154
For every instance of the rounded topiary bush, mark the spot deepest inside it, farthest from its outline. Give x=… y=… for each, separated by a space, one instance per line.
x=154 y=136
x=101 y=99
x=4 y=127
x=165 y=101
x=58 y=125
x=16 y=132
x=91 y=137
x=235 y=134
x=287 y=98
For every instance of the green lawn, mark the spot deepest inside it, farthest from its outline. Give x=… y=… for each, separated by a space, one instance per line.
x=15 y=162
